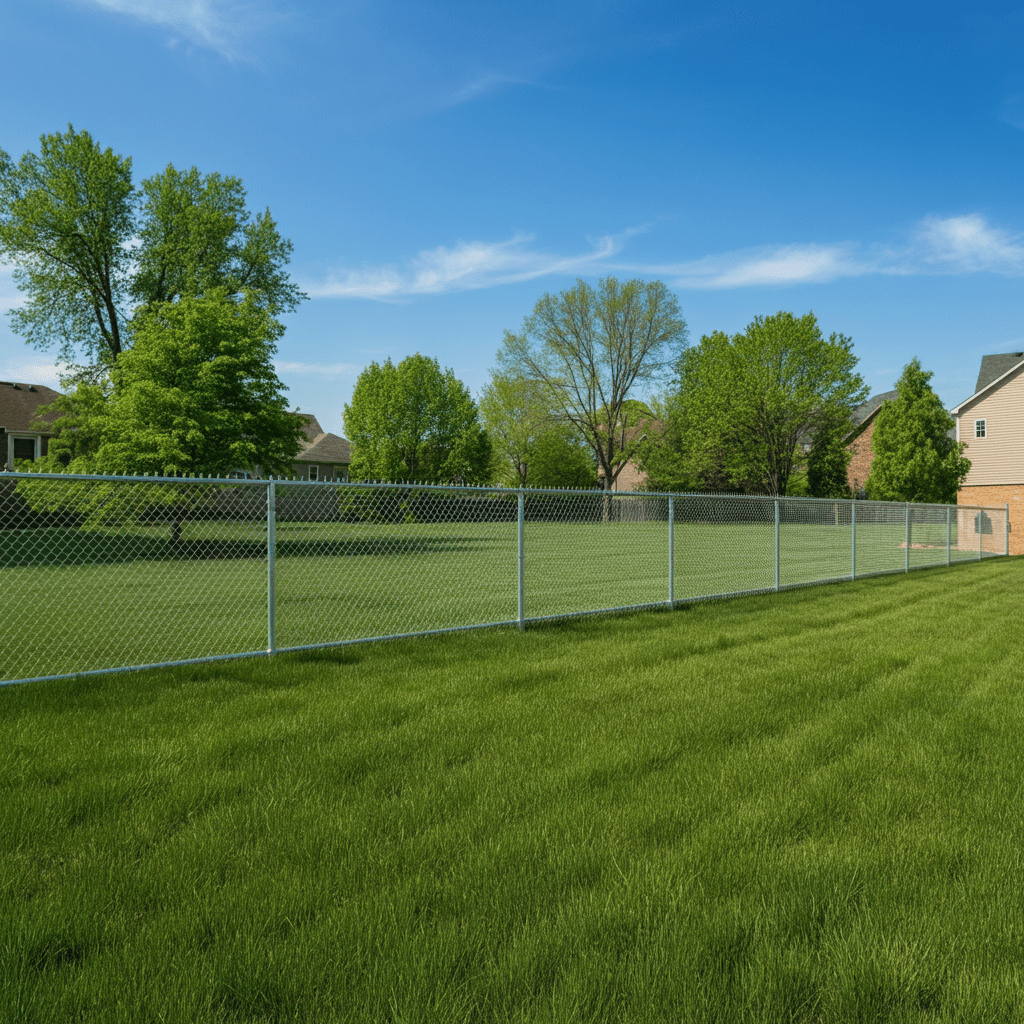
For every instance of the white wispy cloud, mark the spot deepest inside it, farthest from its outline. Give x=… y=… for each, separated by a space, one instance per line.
x=787 y=264
x=220 y=25
x=462 y=267
x=324 y=371
x=969 y=244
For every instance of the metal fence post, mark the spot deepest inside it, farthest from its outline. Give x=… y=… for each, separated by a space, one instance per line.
x=1007 y=527
x=979 y=522
x=853 y=540
x=271 y=556
x=906 y=543
x=948 y=534
x=672 y=552
x=522 y=562
x=776 y=543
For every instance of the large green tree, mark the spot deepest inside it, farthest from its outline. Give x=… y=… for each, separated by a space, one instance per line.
x=417 y=422
x=196 y=394
x=89 y=248
x=915 y=459
x=829 y=460
x=532 y=447
x=589 y=348
x=746 y=403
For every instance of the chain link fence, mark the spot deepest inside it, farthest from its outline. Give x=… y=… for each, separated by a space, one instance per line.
x=112 y=573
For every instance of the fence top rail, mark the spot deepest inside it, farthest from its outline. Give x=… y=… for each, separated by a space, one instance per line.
x=474 y=489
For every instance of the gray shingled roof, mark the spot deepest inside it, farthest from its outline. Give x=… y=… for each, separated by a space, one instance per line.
x=993 y=367
x=18 y=404
x=873 y=404
x=321 y=446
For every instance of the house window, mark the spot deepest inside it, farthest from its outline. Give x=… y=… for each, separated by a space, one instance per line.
x=25 y=448
x=313 y=472
x=979 y=428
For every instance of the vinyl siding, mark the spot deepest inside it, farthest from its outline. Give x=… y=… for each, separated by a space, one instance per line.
x=997 y=458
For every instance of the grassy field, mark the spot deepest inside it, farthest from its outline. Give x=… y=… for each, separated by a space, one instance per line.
x=74 y=600
x=791 y=807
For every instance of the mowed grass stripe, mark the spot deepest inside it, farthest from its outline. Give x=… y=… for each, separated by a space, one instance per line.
x=84 y=600
x=800 y=806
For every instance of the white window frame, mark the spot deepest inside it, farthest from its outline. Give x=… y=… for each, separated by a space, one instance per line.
x=23 y=437
x=314 y=472
x=980 y=428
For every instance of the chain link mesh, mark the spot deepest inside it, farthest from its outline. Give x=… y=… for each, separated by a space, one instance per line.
x=106 y=573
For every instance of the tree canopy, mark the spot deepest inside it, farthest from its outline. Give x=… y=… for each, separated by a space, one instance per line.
x=415 y=422
x=532 y=447
x=89 y=248
x=915 y=459
x=746 y=404
x=196 y=393
x=588 y=348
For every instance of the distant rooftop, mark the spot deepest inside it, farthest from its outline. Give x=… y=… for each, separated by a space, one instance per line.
x=862 y=412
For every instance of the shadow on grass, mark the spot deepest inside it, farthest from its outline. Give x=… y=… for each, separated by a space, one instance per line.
x=64 y=546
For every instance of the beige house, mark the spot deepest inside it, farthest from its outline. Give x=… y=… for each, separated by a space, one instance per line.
x=991 y=422
x=324 y=456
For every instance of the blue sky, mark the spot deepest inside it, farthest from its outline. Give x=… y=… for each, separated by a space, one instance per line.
x=439 y=167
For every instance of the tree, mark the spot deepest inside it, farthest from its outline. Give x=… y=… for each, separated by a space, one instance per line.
x=515 y=414
x=67 y=217
x=531 y=446
x=746 y=402
x=196 y=394
x=89 y=248
x=829 y=460
x=588 y=348
x=561 y=459
x=196 y=235
x=914 y=457
x=414 y=422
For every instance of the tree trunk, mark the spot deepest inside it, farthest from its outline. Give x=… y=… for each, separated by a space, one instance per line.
x=176 y=532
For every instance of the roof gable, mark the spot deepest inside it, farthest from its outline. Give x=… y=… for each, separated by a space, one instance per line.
x=19 y=402
x=326 y=448
x=994 y=369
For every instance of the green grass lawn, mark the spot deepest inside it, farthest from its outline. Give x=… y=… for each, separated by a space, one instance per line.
x=86 y=599
x=801 y=806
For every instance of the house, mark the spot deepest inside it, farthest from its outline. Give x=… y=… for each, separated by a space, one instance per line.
x=991 y=422
x=631 y=477
x=19 y=439
x=324 y=456
x=859 y=441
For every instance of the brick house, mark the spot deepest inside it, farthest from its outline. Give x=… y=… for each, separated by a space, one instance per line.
x=991 y=422
x=631 y=477
x=859 y=442
x=19 y=439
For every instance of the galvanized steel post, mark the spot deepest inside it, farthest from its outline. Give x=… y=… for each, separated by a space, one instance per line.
x=672 y=552
x=776 y=543
x=979 y=522
x=522 y=562
x=948 y=534
x=271 y=556
x=1007 y=527
x=906 y=543
x=853 y=540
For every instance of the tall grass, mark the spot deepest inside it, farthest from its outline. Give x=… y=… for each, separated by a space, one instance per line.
x=792 y=807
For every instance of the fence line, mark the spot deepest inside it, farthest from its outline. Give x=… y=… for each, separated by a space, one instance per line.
x=101 y=573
